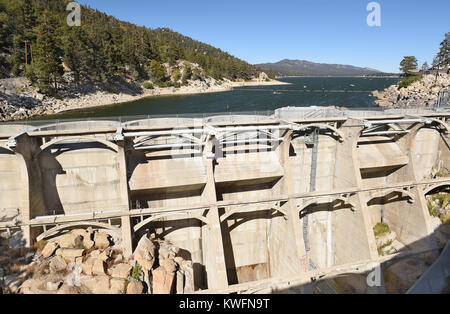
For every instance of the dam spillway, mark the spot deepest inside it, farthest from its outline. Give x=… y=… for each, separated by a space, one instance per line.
x=251 y=199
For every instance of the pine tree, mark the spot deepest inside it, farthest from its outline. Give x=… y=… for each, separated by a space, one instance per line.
x=444 y=52
x=76 y=56
x=408 y=63
x=4 y=33
x=157 y=71
x=101 y=48
x=47 y=63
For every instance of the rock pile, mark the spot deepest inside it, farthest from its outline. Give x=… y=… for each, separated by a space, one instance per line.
x=86 y=262
x=422 y=93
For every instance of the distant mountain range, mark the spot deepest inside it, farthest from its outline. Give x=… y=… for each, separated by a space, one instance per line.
x=306 y=68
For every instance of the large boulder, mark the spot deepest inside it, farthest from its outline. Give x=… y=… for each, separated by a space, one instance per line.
x=70 y=241
x=118 y=286
x=162 y=281
x=81 y=232
x=53 y=286
x=34 y=286
x=49 y=249
x=135 y=287
x=169 y=265
x=70 y=254
x=101 y=255
x=145 y=253
x=180 y=282
x=57 y=264
x=87 y=266
x=74 y=277
x=188 y=271
x=97 y=284
x=101 y=240
x=88 y=243
x=121 y=271
x=98 y=268
x=167 y=250
x=66 y=289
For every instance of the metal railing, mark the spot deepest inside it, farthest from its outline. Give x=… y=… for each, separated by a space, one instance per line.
x=175 y=120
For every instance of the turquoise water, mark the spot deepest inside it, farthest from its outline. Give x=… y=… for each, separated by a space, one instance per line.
x=303 y=91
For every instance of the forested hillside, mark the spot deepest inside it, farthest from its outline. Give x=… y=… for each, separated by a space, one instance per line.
x=37 y=42
x=307 y=68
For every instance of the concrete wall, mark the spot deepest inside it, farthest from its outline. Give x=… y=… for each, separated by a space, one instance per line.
x=80 y=178
x=266 y=186
x=13 y=185
x=426 y=153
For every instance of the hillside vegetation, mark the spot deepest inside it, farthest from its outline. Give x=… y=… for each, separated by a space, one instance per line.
x=102 y=50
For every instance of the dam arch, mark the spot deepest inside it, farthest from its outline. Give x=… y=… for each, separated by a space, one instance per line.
x=113 y=231
x=81 y=176
x=431 y=188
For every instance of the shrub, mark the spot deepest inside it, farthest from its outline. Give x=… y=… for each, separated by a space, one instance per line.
x=380 y=229
x=380 y=249
x=432 y=210
x=157 y=71
x=164 y=84
x=136 y=272
x=176 y=75
x=148 y=85
x=441 y=174
x=409 y=80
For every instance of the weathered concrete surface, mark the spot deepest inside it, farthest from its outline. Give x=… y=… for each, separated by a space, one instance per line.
x=244 y=198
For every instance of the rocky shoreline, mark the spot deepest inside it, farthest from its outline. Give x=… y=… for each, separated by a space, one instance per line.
x=423 y=93
x=19 y=100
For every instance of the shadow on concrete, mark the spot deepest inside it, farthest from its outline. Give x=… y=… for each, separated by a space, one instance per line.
x=414 y=269
x=52 y=168
x=236 y=220
x=324 y=207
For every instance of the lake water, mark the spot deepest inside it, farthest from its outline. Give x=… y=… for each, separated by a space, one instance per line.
x=348 y=92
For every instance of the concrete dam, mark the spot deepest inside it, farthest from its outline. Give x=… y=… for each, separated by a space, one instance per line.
x=254 y=200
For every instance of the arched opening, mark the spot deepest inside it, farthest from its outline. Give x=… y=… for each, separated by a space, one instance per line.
x=254 y=245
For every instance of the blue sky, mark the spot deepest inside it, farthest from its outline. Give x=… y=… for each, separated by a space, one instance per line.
x=332 y=31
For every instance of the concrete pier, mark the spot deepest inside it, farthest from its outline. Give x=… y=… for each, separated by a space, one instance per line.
x=250 y=199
